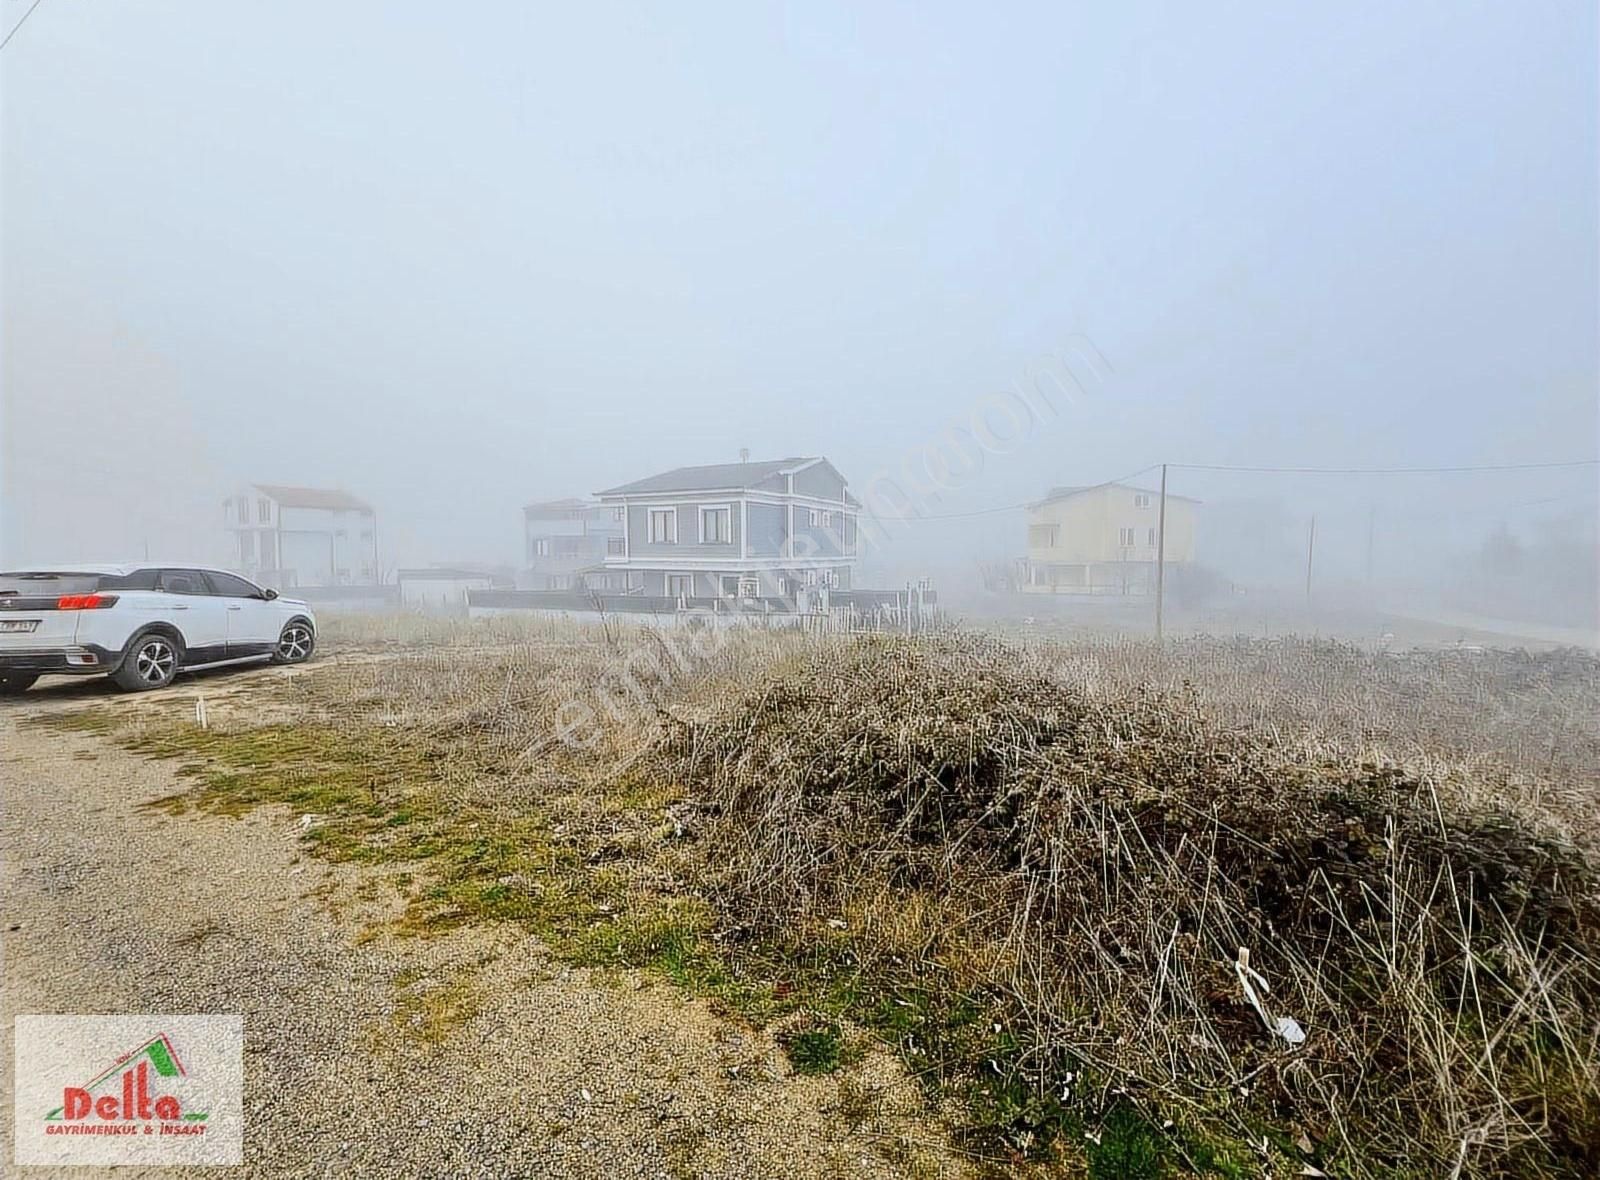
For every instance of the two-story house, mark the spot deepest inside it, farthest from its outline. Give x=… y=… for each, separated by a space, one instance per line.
x=566 y=543
x=765 y=529
x=287 y=536
x=1103 y=539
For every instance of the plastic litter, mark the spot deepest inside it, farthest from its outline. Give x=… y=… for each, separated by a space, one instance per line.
x=1286 y=1027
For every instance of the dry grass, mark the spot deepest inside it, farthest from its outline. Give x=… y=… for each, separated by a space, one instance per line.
x=1087 y=859
x=1032 y=869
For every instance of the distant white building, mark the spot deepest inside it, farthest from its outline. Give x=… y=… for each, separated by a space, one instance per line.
x=567 y=543
x=287 y=536
x=440 y=588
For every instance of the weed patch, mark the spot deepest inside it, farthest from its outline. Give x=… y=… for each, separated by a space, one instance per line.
x=1028 y=872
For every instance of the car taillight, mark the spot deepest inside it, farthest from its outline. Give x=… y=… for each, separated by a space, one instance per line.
x=85 y=601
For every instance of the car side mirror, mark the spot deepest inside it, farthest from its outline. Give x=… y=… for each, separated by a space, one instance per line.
x=269 y=594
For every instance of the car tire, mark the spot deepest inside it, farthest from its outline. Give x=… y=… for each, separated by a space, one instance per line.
x=295 y=643
x=152 y=660
x=16 y=683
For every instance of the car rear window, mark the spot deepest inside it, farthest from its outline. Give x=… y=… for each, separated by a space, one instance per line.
x=46 y=583
x=30 y=585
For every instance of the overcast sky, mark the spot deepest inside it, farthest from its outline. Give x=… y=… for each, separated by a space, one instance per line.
x=455 y=257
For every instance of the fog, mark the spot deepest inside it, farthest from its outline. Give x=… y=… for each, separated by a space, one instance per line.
x=455 y=259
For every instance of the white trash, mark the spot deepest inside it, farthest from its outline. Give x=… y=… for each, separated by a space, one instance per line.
x=1286 y=1027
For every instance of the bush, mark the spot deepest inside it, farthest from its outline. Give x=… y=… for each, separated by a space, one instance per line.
x=1090 y=863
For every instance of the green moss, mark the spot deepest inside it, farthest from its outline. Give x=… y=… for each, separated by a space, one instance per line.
x=1129 y=1148
x=819 y=1049
x=1220 y=1159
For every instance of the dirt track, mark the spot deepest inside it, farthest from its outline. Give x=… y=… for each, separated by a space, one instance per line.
x=469 y=1054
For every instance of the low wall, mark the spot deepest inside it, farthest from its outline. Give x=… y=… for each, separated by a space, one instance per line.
x=846 y=609
x=351 y=598
x=664 y=619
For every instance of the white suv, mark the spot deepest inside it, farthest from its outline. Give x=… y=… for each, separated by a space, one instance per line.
x=142 y=624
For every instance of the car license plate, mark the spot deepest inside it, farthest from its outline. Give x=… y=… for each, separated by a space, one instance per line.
x=18 y=624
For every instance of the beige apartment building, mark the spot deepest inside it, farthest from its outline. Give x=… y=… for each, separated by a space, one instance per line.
x=1102 y=539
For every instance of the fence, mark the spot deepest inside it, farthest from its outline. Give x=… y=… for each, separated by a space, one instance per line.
x=913 y=609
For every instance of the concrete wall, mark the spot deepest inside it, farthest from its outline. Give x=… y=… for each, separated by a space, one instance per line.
x=439 y=593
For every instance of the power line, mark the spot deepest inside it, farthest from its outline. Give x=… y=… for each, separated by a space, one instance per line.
x=1458 y=468
x=1007 y=507
x=19 y=24
x=1391 y=470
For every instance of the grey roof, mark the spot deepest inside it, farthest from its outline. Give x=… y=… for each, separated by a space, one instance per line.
x=1067 y=491
x=566 y=504
x=717 y=475
x=292 y=497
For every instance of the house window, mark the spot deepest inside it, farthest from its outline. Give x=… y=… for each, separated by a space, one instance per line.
x=1141 y=500
x=664 y=526
x=617 y=514
x=1152 y=541
x=615 y=547
x=366 y=534
x=680 y=585
x=1042 y=536
x=541 y=547
x=714 y=526
x=814 y=517
x=366 y=571
x=244 y=510
x=1125 y=538
x=263 y=510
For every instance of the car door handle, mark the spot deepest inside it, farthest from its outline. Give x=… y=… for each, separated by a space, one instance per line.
x=180 y=608
x=236 y=608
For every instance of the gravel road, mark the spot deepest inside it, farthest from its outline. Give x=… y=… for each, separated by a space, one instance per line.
x=542 y=1071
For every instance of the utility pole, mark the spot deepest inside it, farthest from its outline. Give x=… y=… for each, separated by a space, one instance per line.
x=1311 y=548
x=1161 y=554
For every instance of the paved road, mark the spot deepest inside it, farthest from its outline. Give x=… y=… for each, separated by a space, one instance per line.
x=109 y=908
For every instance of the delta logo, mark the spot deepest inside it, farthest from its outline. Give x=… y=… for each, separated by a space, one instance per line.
x=138 y=1094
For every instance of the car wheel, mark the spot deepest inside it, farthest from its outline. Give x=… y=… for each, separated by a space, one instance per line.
x=152 y=661
x=12 y=683
x=295 y=643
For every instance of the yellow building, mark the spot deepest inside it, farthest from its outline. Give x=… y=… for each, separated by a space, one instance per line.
x=1101 y=539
